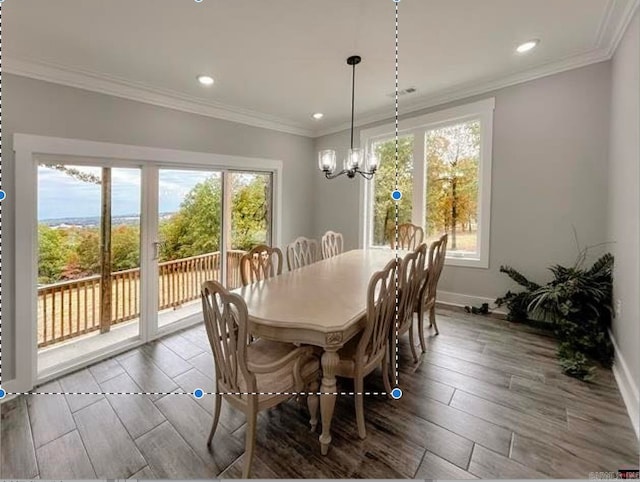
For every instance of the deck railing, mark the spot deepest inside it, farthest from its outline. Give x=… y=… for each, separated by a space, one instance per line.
x=72 y=308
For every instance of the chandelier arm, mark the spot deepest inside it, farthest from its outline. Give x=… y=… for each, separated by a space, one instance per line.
x=368 y=175
x=328 y=175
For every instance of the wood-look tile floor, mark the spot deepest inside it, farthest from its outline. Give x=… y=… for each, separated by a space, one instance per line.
x=487 y=400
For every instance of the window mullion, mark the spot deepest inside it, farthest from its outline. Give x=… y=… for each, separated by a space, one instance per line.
x=419 y=179
x=225 y=240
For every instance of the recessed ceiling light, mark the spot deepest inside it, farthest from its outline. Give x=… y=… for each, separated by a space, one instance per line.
x=205 y=80
x=318 y=115
x=527 y=46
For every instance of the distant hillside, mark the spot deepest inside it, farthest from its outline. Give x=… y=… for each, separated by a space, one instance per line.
x=93 y=221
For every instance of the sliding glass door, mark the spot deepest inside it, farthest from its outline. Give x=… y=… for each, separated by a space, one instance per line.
x=123 y=251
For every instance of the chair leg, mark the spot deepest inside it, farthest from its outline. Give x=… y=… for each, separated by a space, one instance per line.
x=359 y=388
x=216 y=417
x=250 y=437
x=392 y=359
x=412 y=343
x=313 y=402
x=385 y=372
x=432 y=318
x=423 y=344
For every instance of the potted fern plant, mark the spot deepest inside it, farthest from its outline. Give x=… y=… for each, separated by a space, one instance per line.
x=576 y=304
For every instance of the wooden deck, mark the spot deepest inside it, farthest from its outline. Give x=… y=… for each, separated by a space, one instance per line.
x=488 y=400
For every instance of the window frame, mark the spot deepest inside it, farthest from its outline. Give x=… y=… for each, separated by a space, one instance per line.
x=418 y=127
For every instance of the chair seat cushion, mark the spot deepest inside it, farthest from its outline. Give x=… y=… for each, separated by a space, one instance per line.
x=263 y=352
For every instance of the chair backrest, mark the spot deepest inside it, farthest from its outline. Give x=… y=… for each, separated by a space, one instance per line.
x=225 y=318
x=381 y=312
x=422 y=251
x=410 y=282
x=410 y=236
x=437 y=254
x=301 y=252
x=260 y=263
x=332 y=244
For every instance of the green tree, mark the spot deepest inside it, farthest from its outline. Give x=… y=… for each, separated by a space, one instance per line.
x=125 y=247
x=385 y=184
x=195 y=228
x=250 y=211
x=52 y=251
x=87 y=250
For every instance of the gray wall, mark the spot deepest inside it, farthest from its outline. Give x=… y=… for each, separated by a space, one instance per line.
x=624 y=195
x=36 y=107
x=549 y=174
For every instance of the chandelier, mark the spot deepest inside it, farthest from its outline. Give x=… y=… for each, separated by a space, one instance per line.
x=356 y=161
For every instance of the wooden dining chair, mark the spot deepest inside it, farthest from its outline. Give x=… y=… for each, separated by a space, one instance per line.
x=332 y=244
x=410 y=236
x=363 y=354
x=260 y=263
x=427 y=297
x=253 y=376
x=301 y=252
x=410 y=281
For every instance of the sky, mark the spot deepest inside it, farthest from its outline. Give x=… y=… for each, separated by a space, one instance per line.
x=62 y=196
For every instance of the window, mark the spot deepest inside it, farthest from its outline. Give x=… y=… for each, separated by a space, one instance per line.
x=444 y=174
x=384 y=208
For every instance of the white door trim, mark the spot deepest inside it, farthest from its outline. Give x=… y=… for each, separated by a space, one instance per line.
x=27 y=149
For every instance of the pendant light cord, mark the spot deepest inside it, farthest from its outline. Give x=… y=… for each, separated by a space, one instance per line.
x=353 y=96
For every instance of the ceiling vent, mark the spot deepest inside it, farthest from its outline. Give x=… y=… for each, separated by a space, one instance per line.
x=408 y=90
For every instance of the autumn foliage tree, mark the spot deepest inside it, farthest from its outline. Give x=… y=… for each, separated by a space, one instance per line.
x=452 y=155
x=452 y=159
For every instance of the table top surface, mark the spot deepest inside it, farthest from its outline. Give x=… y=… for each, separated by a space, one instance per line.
x=326 y=296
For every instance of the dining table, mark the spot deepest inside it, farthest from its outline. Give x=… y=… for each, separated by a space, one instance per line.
x=321 y=304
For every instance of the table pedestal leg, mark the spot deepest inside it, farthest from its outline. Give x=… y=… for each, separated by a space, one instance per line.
x=330 y=359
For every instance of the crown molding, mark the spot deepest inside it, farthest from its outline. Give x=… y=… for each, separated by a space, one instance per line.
x=617 y=31
x=473 y=89
x=106 y=84
x=605 y=24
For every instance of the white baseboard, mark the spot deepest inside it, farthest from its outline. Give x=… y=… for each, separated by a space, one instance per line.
x=461 y=300
x=627 y=386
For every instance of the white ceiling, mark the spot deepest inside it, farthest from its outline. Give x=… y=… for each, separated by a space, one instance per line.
x=276 y=62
